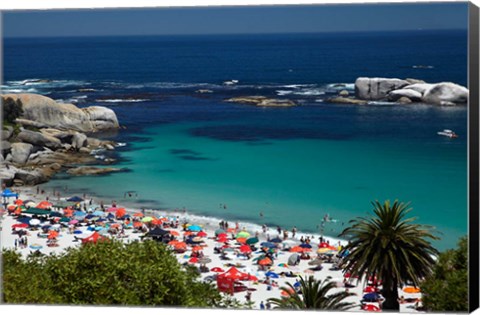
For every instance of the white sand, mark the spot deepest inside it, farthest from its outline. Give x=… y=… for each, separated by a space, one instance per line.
x=261 y=292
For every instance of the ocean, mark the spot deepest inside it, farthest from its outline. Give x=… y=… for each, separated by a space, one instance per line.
x=276 y=166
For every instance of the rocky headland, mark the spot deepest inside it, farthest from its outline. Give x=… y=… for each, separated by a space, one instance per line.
x=404 y=91
x=262 y=101
x=48 y=137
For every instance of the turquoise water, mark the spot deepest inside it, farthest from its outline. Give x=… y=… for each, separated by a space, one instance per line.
x=292 y=182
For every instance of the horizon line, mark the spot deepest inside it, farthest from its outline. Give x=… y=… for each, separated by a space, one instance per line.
x=237 y=34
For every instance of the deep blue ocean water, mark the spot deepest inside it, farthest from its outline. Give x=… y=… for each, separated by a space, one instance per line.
x=194 y=150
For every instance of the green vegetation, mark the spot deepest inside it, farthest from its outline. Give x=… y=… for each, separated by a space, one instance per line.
x=314 y=295
x=446 y=290
x=11 y=110
x=391 y=247
x=107 y=273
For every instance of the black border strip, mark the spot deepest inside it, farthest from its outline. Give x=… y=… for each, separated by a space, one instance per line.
x=473 y=117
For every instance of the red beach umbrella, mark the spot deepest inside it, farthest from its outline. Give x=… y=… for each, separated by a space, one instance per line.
x=120 y=212
x=369 y=290
x=18 y=202
x=19 y=226
x=217 y=269
x=371 y=308
x=245 y=249
x=265 y=262
x=138 y=215
x=197 y=248
x=44 y=205
x=202 y=234
x=174 y=233
x=193 y=260
x=242 y=240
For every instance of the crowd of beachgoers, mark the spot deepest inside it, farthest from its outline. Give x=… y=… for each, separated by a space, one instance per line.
x=36 y=222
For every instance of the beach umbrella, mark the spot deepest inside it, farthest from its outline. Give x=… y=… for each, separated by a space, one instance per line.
x=204 y=260
x=98 y=213
x=222 y=235
x=36 y=246
x=73 y=222
x=138 y=214
x=305 y=245
x=34 y=222
x=11 y=207
x=276 y=240
x=323 y=245
x=202 y=234
x=120 y=212
x=18 y=202
x=77 y=232
x=52 y=234
x=324 y=250
x=242 y=234
x=193 y=260
x=292 y=260
x=242 y=240
x=112 y=209
x=217 y=269
x=75 y=199
x=268 y=245
x=272 y=274
x=371 y=297
x=147 y=219
x=197 y=248
x=411 y=290
x=284 y=265
x=298 y=249
x=194 y=228
x=174 y=233
x=219 y=231
x=245 y=249
x=369 y=289
x=252 y=240
x=173 y=242
x=20 y=226
x=371 y=308
x=44 y=205
x=265 y=262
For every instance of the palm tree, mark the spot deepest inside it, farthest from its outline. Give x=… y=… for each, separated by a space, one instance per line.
x=313 y=295
x=391 y=247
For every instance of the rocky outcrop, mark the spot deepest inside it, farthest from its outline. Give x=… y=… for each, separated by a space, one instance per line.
x=408 y=93
x=7 y=132
x=375 y=89
x=39 y=139
x=40 y=111
x=262 y=101
x=444 y=93
x=346 y=100
x=20 y=152
x=91 y=170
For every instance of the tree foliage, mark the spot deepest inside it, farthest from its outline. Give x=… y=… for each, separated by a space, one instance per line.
x=391 y=247
x=446 y=290
x=314 y=294
x=12 y=109
x=106 y=273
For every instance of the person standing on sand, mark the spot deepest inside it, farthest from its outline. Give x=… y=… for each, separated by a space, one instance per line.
x=262 y=306
x=294 y=231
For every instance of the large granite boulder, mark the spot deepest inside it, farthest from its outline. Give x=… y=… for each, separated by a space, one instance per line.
x=7 y=132
x=413 y=95
x=39 y=139
x=79 y=140
x=446 y=93
x=20 y=152
x=41 y=111
x=376 y=88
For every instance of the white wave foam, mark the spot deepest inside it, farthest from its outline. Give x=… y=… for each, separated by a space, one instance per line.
x=341 y=86
x=121 y=144
x=380 y=103
x=283 y=92
x=119 y=100
x=296 y=86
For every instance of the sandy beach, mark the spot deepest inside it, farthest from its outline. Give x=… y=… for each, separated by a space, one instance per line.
x=264 y=283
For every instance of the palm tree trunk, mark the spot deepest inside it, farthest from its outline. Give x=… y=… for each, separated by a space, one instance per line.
x=390 y=293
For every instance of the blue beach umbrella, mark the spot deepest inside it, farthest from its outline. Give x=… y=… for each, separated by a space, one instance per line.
x=36 y=246
x=194 y=228
x=276 y=240
x=98 y=213
x=75 y=199
x=272 y=274
x=77 y=232
x=371 y=297
x=305 y=245
x=268 y=245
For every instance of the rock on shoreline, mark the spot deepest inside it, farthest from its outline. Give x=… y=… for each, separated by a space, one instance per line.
x=262 y=101
x=50 y=137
